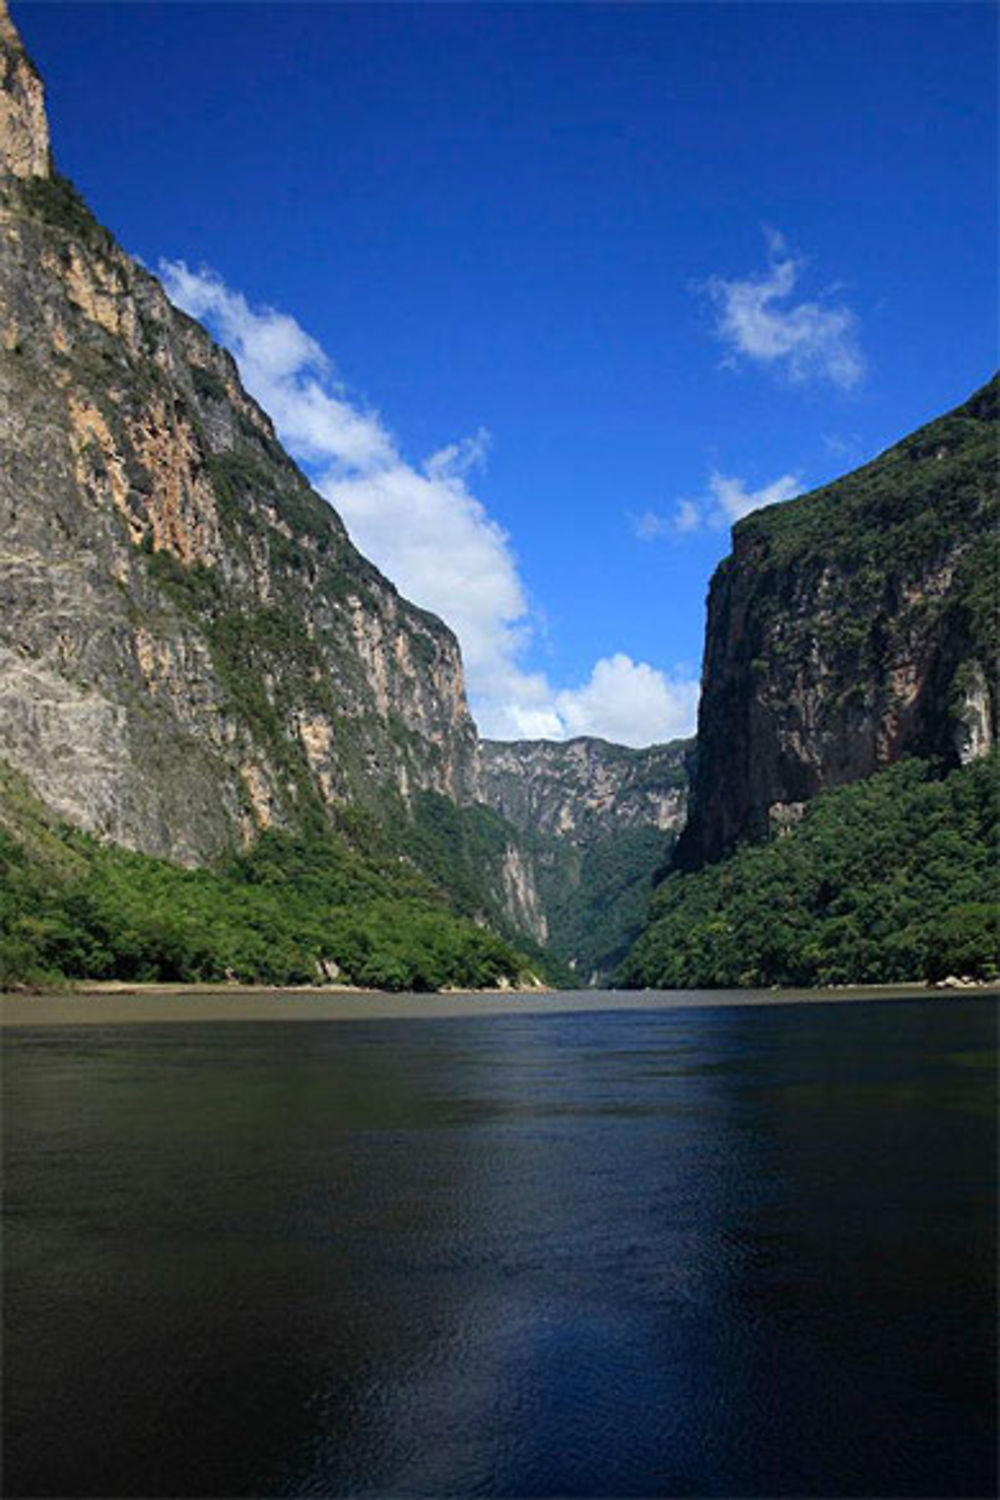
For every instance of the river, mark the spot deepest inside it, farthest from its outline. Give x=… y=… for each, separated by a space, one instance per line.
x=634 y=1249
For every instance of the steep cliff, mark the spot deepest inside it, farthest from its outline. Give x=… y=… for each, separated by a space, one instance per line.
x=191 y=649
x=24 y=125
x=596 y=821
x=851 y=627
x=585 y=787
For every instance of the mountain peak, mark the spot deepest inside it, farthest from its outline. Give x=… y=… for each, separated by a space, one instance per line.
x=24 y=125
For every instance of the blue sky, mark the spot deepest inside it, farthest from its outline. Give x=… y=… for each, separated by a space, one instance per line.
x=544 y=296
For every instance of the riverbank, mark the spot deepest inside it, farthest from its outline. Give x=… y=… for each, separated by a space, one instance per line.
x=116 y=1004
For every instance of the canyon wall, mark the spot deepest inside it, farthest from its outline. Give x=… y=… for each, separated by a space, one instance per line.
x=851 y=627
x=191 y=649
x=596 y=822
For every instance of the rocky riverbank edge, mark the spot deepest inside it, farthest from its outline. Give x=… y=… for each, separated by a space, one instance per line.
x=122 y=1004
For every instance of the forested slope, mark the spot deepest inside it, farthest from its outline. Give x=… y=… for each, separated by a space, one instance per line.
x=297 y=908
x=893 y=878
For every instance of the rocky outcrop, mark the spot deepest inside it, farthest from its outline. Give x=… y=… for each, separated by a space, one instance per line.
x=24 y=125
x=584 y=788
x=518 y=894
x=851 y=627
x=191 y=649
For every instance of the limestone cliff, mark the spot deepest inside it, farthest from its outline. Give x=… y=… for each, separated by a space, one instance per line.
x=596 y=821
x=191 y=648
x=851 y=627
x=24 y=125
x=585 y=787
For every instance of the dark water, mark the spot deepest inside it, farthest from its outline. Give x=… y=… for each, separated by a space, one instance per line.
x=716 y=1252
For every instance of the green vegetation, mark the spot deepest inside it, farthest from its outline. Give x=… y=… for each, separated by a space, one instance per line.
x=56 y=202
x=596 y=896
x=893 y=878
x=596 y=868
x=237 y=477
x=456 y=846
x=207 y=385
x=285 y=912
x=463 y=849
x=252 y=647
x=931 y=498
x=867 y=607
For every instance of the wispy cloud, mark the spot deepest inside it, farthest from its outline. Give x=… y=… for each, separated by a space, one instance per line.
x=726 y=501
x=731 y=499
x=424 y=527
x=687 y=516
x=286 y=371
x=757 y=319
x=843 y=447
x=650 y=525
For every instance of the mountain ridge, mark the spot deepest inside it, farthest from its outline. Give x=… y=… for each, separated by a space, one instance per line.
x=597 y=822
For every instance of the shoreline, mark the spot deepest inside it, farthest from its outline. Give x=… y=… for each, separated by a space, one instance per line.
x=115 y=1003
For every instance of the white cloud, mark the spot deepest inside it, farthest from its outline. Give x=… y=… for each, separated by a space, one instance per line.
x=627 y=702
x=285 y=370
x=732 y=500
x=842 y=447
x=424 y=527
x=650 y=525
x=630 y=703
x=437 y=544
x=807 y=340
x=728 y=500
x=686 y=516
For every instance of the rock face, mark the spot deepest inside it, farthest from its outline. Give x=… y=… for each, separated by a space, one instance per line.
x=596 y=821
x=848 y=628
x=191 y=649
x=585 y=788
x=24 y=125
x=518 y=895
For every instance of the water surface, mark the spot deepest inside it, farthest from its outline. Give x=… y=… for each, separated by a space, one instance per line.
x=711 y=1251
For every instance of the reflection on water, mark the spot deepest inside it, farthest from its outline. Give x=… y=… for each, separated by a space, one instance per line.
x=712 y=1252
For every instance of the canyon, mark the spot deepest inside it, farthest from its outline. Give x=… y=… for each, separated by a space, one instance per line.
x=193 y=653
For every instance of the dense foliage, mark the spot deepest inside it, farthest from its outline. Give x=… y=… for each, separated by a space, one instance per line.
x=463 y=850
x=893 y=878
x=57 y=202
x=898 y=514
x=596 y=896
x=283 y=913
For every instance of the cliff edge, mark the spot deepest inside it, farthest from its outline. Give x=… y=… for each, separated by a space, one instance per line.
x=24 y=124
x=851 y=627
x=191 y=648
